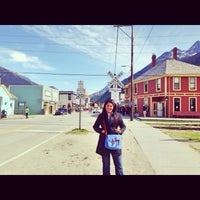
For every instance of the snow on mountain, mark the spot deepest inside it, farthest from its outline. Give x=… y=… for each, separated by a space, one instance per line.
x=192 y=56
x=194 y=49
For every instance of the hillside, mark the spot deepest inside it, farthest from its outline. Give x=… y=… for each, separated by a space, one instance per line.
x=191 y=56
x=9 y=77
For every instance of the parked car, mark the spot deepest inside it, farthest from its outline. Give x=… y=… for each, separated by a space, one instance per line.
x=96 y=110
x=61 y=111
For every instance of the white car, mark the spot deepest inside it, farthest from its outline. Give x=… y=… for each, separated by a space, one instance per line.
x=96 y=110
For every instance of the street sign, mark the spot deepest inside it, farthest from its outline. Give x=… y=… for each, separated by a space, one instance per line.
x=115 y=90
x=80 y=96
x=80 y=93
x=113 y=86
x=115 y=81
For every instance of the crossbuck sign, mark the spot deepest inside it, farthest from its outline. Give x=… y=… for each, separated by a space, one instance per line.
x=113 y=86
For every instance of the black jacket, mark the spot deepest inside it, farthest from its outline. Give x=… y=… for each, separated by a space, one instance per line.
x=111 y=125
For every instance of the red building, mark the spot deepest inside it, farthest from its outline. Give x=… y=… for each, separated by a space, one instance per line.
x=169 y=89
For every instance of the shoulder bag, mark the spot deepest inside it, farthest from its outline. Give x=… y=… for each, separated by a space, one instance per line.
x=112 y=141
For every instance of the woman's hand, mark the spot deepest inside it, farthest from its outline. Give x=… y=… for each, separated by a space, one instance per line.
x=118 y=131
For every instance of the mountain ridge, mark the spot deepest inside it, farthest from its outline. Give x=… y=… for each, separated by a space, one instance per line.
x=9 y=77
x=190 y=56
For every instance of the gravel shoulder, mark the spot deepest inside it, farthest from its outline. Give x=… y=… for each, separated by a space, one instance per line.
x=74 y=154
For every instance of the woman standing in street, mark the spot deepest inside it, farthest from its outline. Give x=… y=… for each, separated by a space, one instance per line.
x=114 y=124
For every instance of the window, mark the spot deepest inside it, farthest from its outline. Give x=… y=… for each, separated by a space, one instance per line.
x=126 y=92
x=192 y=83
x=135 y=88
x=135 y=106
x=158 y=84
x=69 y=97
x=192 y=104
x=145 y=101
x=146 y=86
x=176 y=83
x=176 y=104
x=21 y=104
x=47 y=93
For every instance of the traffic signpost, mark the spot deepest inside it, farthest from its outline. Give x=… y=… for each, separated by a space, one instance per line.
x=115 y=86
x=80 y=95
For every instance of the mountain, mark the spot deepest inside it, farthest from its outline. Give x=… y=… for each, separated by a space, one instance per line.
x=195 y=60
x=195 y=48
x=191 y=56
x=9 y=77
x=100 y=96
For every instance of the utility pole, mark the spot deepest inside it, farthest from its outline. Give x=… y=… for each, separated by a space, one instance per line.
x=131 y=99
x=131 y=103
x=80 y=113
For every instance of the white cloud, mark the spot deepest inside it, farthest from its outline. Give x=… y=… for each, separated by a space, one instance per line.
x=97 y=41
x=8 y=55
x=17 y=56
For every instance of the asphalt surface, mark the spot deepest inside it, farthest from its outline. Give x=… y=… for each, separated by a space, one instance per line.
x=146 y=150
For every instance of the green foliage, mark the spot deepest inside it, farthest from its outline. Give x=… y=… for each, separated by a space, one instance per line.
x=187 y=134
x=78 y=131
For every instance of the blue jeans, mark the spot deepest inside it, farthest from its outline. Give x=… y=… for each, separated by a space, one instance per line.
x=117 y=159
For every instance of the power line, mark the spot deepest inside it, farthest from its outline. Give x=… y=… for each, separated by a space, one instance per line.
x=145 y=42
x=116 y=50
x=62 y=74
x=124 y=32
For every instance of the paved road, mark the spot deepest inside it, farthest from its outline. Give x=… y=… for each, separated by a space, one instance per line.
x=146 y=150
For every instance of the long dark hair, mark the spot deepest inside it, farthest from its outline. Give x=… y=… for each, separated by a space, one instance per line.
x=109 y=101
x=104 y=112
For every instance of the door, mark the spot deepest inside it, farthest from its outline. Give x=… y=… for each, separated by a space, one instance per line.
x=159 y=109
x=154 y=109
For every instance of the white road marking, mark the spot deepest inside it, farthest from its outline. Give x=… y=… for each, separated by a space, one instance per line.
x=25 y=152
x=45 y=131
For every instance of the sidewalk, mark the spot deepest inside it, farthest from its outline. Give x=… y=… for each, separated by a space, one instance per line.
x=166 y=155
x=146 y=150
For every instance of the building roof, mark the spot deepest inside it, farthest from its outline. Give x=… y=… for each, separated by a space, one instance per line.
x=170 y=67
x=67 y=92
x=10 y=95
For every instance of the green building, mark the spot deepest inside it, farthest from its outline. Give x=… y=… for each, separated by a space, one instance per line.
x=39 y=98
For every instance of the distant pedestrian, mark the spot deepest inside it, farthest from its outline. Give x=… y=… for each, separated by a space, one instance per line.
x=3 y=114
x=69 y=108
x=144 y=110
x=148 y=111
x=27 y=112
x=123 y=110
x=114 y=124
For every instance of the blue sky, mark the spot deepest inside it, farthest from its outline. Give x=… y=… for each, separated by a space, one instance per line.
x=61 y=55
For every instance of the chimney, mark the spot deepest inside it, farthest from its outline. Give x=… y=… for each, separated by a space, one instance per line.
x=175 y=53
x=153 y=60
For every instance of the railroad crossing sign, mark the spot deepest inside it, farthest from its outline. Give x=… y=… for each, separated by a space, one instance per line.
x=115 y=80
x=113 y=85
